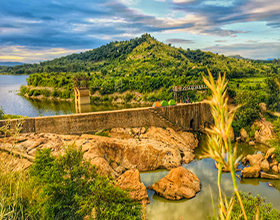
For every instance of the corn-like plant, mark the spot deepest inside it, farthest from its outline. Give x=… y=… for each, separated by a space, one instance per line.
x=219 y=143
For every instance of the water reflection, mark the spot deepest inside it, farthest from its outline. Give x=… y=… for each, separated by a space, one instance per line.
x=201 y=205
x=15 y=104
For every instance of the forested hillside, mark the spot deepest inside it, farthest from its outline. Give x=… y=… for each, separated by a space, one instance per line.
x=143 y=65
x=144 y=55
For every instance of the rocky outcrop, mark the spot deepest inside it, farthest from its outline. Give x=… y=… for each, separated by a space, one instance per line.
x=269 y=176
x=264 y=165
x=142 y=148
x=265 y=132
x=254 y=159
x=130 y=181
x=269 y=153
x=258 y=162
x=178 y=184
x=251 y=172
x=243 y=134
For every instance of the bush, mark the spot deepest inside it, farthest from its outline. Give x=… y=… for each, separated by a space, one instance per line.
x=94 y=99
x=1 y=112
x=251 y=205
x=249 y=111
x=23 y=90
x=72 y=189
x=151 y=98
x=128 y=96
x=36 y=92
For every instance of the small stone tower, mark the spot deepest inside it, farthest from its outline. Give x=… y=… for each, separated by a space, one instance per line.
x=82 y=95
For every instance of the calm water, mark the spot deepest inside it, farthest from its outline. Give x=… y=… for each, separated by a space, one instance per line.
x=200 y=206
x=15 y=104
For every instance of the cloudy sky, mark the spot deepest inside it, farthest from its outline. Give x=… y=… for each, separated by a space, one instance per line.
x=37 y=30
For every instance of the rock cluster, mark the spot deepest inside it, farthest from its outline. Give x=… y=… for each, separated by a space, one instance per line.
x=260 y=163
x=122 y=155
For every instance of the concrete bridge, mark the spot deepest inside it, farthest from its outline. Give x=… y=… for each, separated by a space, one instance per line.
x=188 y=117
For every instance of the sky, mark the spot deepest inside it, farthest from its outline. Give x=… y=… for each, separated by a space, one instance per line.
x=36 y=30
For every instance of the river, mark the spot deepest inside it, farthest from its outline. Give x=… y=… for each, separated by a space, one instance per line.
x=196 y=208
x=200 y=206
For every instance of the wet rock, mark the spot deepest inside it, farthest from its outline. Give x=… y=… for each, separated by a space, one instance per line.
x=269 y=152
x=252 y=143
x=264 y=165
x=178 y=184
x=243 y=134
x=254 y=159
x=269 y=176
x=130 y=181
x=251 y=172
x=275 y=168
x=273 y=162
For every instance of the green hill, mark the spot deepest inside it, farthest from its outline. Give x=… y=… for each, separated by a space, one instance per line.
x=143 y=55
x=141 y=64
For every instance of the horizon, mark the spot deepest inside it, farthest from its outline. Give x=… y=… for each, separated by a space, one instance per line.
x=38 y=31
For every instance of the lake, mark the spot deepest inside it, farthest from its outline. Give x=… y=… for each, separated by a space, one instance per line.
x=14 y=104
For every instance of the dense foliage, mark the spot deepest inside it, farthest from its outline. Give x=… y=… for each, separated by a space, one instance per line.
x=248 y=112
x=72 y=189
x=67 y=187
x=254 y=205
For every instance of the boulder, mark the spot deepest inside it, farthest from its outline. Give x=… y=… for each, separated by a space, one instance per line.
x=264 y=165
x=273 y=162
x=265 y=133
x=252 y=143
x=254 y=159
x=269 y=152
x=103 y=167
x=178 y=184
x=243 y=134
x=269 y=176
x=131 y=182
x=251 y=172
x=275 y=168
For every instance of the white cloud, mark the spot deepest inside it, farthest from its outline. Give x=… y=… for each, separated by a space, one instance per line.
x=182 y=1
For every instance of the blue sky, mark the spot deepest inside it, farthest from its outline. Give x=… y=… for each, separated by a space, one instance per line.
x=38 y=30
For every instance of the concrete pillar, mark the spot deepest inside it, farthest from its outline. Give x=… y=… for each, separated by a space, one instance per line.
x=82 y=96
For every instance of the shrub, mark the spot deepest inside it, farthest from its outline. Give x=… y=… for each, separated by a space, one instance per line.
x=251 y=205
x=72 y=189
x=36 y=92
x=94 y=98
x=1 y=112
x=128 y=96
x=23 y=90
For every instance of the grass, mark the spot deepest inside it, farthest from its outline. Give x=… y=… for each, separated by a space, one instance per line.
x=255 y=83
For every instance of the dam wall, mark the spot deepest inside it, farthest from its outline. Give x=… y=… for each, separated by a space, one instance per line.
x=189 y=117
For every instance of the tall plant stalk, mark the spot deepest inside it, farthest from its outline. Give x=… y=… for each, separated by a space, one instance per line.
x=219 y=140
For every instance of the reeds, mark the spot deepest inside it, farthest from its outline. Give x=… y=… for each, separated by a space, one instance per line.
x=219 y=143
